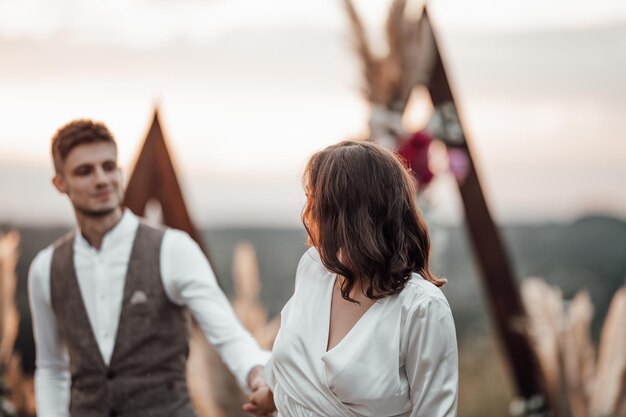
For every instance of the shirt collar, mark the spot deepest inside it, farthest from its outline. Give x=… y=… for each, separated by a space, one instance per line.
x=127 y=225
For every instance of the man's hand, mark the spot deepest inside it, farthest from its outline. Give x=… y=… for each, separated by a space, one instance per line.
x=255 y=378
x=261 y=401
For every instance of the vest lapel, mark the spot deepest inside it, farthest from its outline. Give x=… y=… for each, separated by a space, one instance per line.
x=67 y=271
x=133 y=286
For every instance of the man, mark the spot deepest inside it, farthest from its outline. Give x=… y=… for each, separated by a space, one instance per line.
x=108 y=300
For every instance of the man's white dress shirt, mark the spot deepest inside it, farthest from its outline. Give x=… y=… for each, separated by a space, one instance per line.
x=188 y=281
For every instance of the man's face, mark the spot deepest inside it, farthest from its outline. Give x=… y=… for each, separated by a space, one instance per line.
x=91 y=179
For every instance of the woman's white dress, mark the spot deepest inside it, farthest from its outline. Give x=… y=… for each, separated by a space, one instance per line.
x=399 y=359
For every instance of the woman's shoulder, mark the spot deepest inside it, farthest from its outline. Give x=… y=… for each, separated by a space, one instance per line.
x=420 y=292
x=311 y=255
x=310 y=266
x=311 y=260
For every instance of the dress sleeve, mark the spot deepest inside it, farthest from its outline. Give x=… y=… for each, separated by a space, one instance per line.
x=431 y=360
x=189 y=280
x=52 y=376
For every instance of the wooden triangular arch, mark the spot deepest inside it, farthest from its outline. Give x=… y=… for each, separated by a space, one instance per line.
x=499 y=281
x=154 y=178
x=414 y=58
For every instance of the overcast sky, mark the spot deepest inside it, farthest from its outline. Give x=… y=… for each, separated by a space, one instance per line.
x=248 y=89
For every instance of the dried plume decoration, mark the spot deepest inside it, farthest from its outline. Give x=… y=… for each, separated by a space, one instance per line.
x=20 y=397
x=578 y=384
x=389 y=79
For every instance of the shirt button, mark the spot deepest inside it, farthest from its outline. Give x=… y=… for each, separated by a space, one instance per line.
x=111 y=375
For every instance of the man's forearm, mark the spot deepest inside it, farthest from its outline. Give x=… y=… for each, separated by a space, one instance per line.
x=52 y=392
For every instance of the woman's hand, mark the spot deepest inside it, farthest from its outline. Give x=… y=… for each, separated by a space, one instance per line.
x=260 y=402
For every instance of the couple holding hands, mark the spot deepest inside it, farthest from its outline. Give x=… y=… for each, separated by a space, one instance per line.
x=366 y=333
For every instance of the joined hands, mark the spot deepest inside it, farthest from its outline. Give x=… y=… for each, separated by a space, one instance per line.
x=261 y=401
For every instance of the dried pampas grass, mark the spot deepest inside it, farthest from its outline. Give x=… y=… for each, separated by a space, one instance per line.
x=609 y=388
x=577 y=385
x=388 y=80
x=9 y=317
x=213 y=388
x=21 y=393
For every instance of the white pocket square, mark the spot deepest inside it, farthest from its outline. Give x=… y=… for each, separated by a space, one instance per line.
x=138 y=297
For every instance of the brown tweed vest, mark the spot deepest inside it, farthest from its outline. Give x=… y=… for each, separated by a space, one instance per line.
x=146 y=375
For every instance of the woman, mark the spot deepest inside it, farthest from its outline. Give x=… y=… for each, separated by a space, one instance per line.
x=367 y=331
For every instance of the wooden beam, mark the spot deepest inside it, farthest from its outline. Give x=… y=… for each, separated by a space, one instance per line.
x=505 y=304
x=154 y=178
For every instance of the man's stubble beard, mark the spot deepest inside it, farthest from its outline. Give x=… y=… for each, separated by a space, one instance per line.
x=96 y=214
x=101 y=213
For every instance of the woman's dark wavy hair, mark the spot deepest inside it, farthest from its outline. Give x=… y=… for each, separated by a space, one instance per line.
x=362 y=216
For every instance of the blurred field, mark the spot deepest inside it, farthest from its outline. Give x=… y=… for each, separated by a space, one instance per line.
x=587 y=253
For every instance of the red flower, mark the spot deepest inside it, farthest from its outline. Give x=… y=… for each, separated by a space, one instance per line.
x=415 y=151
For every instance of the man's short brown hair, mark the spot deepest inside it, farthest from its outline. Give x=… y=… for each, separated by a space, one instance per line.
x=77 y=132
